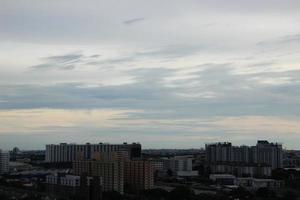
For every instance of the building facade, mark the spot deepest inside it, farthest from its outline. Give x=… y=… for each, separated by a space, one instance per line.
x=56 y=153
x=291 y=159
x=181 y=163
x=268 y=153
x=218 y=152
x=264 y=153
x=138 y=175
x=241 y=169
x=181 y=166
x=75 y=187
x=249 y=183
x=4 y=162
x=254 y=184
x=110 y=171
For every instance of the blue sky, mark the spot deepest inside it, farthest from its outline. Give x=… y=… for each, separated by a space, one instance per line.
x=168 y=74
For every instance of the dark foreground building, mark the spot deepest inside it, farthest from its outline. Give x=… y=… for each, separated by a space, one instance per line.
x=75 y=187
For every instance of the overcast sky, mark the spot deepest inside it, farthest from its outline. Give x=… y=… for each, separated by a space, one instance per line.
x=167 y=74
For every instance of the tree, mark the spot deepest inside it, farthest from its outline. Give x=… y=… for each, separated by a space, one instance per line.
x=241 y=193
x=169 y=172
x=289 y=195
x=155 y=194
x=264 y=193
x=280 y=174
x=112 y=195
x=181 y=193
x=3 y=196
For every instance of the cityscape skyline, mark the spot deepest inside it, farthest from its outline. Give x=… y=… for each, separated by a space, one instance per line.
x=100 y=171
x=120 y=143
x=172 y=74
x=139 y=99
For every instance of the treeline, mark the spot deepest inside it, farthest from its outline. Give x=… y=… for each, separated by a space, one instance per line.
x=185 y=193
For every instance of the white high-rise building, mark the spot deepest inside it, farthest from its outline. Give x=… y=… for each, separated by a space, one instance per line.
x=71 y=152
x=4 y=162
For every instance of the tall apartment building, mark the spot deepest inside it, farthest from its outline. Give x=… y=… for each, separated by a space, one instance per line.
x=268 y=153
x=70 y=152
x=4 y=162
x=263 y=153
x=110 y=171
x=241 y=154
x=138 y=175
x=218 y=152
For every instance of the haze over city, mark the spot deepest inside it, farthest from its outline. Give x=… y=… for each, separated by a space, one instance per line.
x=167 y=74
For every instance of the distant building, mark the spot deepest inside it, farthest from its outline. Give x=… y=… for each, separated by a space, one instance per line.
x=241 y=169
x=268 y=153
x=138 y=175
x=63 y=180
x=4 y=162
x=182 y=174
x=14 y=153
x=291 y=159
x=181 y=163
x=241 y=154
x=218 y=152
x=178 y=165
x=70 y=152
x=264 y=153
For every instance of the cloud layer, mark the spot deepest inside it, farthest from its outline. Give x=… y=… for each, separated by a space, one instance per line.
x=188 y=72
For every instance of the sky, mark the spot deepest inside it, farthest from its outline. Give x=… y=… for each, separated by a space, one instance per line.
x=167 y=74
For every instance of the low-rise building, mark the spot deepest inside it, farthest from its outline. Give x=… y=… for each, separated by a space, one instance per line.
x=78 y=187
x=241 y=169
x=249 y=183
x=254 y=184
x=223 y=179
x=187 y=173
x=158 y=164
x=64 y=180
